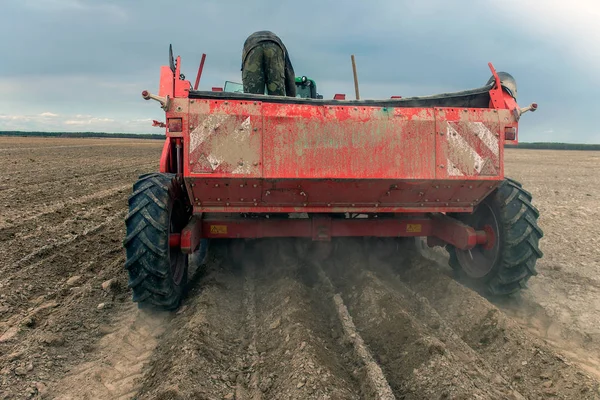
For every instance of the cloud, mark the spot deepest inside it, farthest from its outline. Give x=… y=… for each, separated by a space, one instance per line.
x=92 y=59
x=48 y=114
x=74 y=123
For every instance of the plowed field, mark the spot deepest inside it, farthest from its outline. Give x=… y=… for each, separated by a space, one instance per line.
x=367 y=324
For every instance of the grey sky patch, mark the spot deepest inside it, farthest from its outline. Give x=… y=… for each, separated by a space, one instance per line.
x=85 y=57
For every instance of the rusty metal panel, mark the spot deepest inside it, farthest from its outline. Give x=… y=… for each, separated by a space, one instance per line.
x=468 y=144
x=307 y=141
x=225 y=138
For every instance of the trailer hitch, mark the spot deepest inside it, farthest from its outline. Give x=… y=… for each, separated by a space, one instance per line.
x=532 y=107
x=164 y=101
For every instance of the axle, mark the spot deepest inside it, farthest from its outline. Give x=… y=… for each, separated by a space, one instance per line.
x=444 y=229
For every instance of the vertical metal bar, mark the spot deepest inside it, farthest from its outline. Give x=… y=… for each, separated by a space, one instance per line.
x=199 y=71
x=355 y=78
x=178 y=150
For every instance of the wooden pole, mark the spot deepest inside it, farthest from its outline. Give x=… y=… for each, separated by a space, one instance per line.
x=355 y=78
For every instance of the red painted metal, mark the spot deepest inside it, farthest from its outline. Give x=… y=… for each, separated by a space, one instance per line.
x=200 y=68
x=175 y=240
x=339 y=96
x=217 y=89
x=489 y=239
x=454 y=232
x=165 y=157
x=265 y=156
x=330 y=195
x=174 y=124
x=158 y=123
x=191 y=235
x=323 y=228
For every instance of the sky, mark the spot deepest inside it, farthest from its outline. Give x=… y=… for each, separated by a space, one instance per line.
x=80 y=65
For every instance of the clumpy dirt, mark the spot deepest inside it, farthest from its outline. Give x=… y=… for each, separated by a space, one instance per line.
x=364 y=324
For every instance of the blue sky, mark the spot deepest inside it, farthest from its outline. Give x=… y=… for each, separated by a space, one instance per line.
x=80 y=65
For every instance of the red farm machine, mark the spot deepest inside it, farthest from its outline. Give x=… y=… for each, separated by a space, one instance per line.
x=239 y=166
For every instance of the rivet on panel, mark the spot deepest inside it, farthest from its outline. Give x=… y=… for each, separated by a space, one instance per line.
x=196 y=199
x=218 y=199
x=446 y=203
x=441 y=166
x=216 y=185
x=304 y=204
x=227 y=204
x=253 y=199
x=255 y=204
x=242 y=185
x=192 y=184
x=255 y=164
x=352 y=205
x=470 y=187
x=242 y=199
x=437 y=200
x=255 y=129
x=457 y=199
x=255 y=185
x=267 y=193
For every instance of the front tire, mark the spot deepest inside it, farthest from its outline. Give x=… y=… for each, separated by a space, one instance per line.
x=157 y=272
x=505 y=267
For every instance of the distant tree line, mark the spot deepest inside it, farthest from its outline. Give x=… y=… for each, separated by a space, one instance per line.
x=522 y=145
x=84 y=135
x=555 y=146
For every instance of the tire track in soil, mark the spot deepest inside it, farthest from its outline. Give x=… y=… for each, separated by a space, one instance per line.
x=62 y=205
x=73 y=182
x=120 y=358
x=44 y=235
x=419 y=355
x=63 y=323
x=379 y=386
x=252 y=392
x=263 y=332
x=529 y=365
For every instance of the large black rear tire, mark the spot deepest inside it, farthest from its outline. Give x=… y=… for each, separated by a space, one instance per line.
x=157 y=272
x=505 y=267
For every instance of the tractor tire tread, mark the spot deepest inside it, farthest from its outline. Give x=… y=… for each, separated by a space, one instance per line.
x=520 y=236
x=147 y=240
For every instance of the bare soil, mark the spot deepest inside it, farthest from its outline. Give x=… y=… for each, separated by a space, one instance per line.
x=366 y=324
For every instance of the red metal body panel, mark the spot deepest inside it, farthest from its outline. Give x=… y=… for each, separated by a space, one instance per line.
x=320 y=158
x=248 y=156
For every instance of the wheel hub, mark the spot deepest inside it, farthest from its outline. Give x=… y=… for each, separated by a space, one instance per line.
x=481 y=259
